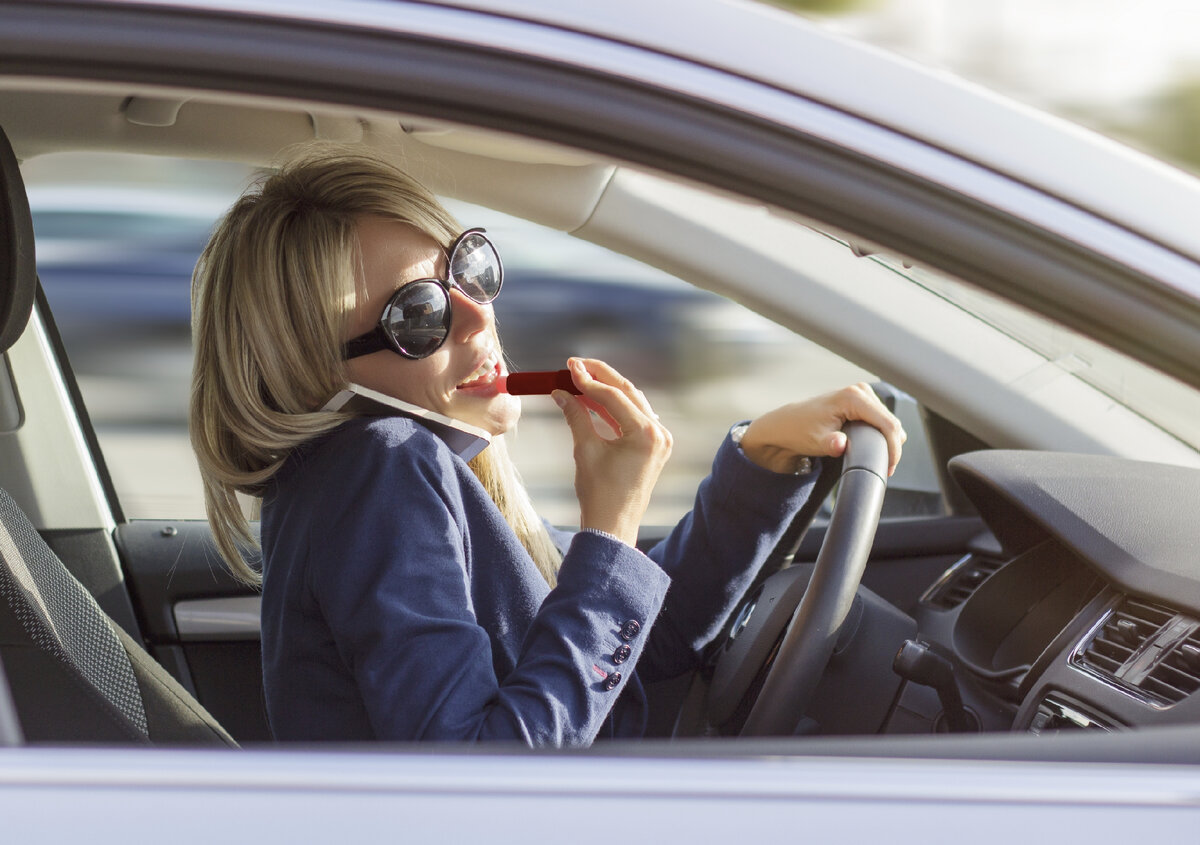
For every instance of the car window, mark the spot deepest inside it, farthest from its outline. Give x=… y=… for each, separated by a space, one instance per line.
x=115 y=260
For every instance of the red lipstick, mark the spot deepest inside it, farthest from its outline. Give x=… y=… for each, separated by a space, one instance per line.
x=525 y=384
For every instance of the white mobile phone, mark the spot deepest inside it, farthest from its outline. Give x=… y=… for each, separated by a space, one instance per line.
x=465 y=440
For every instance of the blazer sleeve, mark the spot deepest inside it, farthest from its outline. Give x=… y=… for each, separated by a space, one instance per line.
x=741 y=513
x=396 y=594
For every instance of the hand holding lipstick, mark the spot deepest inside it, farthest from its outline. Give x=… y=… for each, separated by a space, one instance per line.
x=614 y=476
x=813 y=428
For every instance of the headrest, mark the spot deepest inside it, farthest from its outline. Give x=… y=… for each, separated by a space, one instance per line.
x=18 y=270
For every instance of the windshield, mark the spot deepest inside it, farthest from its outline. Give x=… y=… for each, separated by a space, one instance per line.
x=1169 y=404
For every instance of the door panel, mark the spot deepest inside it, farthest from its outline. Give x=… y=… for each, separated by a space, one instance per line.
x=198 y=620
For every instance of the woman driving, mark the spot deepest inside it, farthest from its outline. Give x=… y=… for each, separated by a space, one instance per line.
x=406 y=593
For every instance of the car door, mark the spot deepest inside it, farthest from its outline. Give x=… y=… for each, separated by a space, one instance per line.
x=115 y=263
x=810 y=160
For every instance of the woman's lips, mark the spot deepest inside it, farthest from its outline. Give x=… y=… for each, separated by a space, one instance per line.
x=483 y=379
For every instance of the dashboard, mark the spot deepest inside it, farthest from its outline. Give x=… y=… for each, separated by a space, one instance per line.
x=1079 y=609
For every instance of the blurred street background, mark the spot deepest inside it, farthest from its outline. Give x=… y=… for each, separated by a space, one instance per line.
x=1126 y=68
x=1129 y=69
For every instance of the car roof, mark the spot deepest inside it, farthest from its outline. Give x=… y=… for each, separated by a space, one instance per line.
x=931 y=105
x=790 y=53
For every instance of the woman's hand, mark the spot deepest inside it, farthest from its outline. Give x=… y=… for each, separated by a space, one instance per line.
x=812 y=428
x=614 y=475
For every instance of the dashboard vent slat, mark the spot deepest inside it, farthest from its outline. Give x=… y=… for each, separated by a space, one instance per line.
x=1177 y=673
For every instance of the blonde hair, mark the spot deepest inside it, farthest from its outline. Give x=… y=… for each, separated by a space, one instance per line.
x=272 y=296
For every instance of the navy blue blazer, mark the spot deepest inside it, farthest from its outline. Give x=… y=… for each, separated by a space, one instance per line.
x=398 y=604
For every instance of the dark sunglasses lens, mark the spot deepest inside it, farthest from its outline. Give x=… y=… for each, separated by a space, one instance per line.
x=418 y=318
x=475 y=267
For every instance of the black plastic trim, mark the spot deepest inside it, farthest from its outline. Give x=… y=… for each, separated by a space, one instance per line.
x=17 y=262
x=168 y=561
x=1132 y=521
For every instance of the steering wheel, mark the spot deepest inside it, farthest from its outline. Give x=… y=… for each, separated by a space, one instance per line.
x=791 y=624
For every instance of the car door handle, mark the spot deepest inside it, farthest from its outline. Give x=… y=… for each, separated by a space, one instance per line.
x=226 y=618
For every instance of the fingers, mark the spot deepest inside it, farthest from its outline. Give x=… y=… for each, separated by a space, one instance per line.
x=621 y=410
x=836 y=442
x=862 y=404
x=575 y=413
x=608 y=427
x=611 y=395
x=814 y=427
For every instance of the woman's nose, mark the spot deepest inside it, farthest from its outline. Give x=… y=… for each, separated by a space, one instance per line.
x=469 y=316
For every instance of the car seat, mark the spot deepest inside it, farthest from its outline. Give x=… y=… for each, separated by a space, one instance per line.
x=74 y=675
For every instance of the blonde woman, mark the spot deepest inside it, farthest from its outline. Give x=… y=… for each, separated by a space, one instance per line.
x=408 y=595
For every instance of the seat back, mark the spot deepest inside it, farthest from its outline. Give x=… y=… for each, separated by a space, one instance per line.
x=75 y=676
x=62 y=657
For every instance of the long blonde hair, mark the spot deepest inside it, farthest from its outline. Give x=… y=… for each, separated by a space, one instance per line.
x=272 y=296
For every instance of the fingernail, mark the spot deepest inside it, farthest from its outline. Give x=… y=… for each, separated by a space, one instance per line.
x=560 y=398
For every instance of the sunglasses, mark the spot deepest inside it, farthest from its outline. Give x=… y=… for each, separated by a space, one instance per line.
x=416 y=320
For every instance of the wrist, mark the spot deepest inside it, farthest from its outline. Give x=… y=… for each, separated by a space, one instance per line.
x=619 y=523
x=769 y=456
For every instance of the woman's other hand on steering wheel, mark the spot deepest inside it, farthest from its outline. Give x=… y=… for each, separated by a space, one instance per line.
x=615 y=472
x=813 y=428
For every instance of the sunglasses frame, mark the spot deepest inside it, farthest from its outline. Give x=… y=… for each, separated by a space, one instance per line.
x=379 y=338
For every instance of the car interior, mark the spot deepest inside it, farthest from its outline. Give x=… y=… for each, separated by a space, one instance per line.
x=1032 y=572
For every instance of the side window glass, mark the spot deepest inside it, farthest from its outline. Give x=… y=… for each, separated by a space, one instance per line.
x=118 y=236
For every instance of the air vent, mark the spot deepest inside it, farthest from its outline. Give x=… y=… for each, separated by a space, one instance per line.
x=1127 y=629
x=1114 y=647
x=1177 y=674
x=960 y=581
x=1147 y=648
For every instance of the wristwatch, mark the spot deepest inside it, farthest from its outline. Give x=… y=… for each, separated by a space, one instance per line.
x=804 y=464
